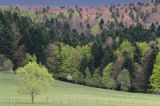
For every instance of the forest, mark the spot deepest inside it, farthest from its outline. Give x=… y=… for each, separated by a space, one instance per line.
x=121 y=58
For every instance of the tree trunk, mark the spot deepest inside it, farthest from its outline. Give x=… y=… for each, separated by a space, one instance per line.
x=32 y=98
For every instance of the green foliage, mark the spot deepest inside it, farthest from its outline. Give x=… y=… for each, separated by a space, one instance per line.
x=158 y=42
x=6 y=64
x=7 y=41
x=71 y=13
x=129 y=65
x=53 y=59
x=144 y=48
x=137 y=55
x=30 y=14
x=95 y=29
x=70 y=65
x=66 y=14
x=36 y=40
x=126 y=48
x=30 y=58
x=49 y=38
x=107 y=80
x=35 y=79
x=86 y=56
x=78 y=77
x=96 y=79
x=75 y=13
x=66 y=51
x=74 y=60
x=98 y=53
x=124 y=80
x=88 y=77
x=155 y=78
x=109 y=56
x=85 y=51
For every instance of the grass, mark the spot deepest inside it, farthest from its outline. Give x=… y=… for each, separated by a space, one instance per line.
x=66 y=94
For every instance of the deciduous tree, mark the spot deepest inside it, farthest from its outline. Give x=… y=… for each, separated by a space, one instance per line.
x=155 y=78
x=107 y=80
x=35 y=79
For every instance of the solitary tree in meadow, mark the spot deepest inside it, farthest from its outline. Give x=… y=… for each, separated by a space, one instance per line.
x=35 y=79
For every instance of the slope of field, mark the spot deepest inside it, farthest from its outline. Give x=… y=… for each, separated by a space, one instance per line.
x=66 y=94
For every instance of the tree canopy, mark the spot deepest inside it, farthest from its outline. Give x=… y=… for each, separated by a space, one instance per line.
x=35 y=79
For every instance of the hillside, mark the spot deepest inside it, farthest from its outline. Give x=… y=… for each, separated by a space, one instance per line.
x=92 y=46
x=63 y=91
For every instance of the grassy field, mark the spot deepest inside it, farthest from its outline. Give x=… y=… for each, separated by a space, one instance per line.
x=66 y=94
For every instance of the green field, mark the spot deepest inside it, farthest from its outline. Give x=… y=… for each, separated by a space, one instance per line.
x=66 y=94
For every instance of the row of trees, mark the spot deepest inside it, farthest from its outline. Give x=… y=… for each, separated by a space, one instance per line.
x=128 y=67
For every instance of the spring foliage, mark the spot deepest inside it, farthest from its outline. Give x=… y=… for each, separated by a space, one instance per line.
x=35 y=79
x=155 y=78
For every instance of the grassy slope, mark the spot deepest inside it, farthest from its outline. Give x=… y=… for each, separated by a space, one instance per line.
x=72 y=95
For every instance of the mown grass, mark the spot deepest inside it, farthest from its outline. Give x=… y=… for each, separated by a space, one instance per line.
x=67 y=94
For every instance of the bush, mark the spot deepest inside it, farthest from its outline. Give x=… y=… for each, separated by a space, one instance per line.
x=6 y=64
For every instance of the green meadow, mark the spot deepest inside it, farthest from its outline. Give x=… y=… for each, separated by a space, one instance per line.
x=67 y=94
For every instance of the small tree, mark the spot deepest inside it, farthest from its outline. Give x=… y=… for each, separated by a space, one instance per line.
x=144 y=49
x=35 y=79
x=6 y=64
x=124 y=80
x=96 y=79
x=88 y=77
x=78 y=77
x=155 y=78
x=53 y=59
x=107 y=80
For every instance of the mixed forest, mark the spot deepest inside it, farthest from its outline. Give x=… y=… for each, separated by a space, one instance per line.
x=117 y=50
